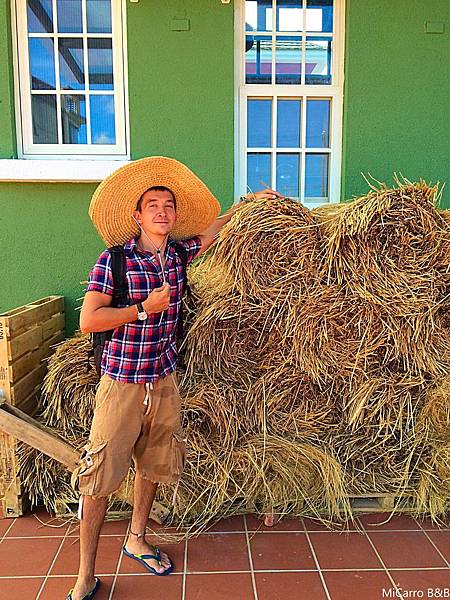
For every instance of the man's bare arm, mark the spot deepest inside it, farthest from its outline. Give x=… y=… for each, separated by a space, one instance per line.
x=97 y=314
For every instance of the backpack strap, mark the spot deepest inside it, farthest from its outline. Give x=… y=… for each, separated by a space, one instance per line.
x=119 y=269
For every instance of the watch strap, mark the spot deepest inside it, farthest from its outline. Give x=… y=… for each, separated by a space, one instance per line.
x=140 y=307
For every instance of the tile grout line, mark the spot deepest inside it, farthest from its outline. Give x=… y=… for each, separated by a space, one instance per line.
x=68 y=576
x=7 y=530
x=52 y=565
x=436 y=548
x=183 y=589
x=381 y=561
x=119 y=562
x=316 y=560
x=250 y=559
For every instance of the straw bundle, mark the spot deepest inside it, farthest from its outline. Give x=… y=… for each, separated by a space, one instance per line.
x=316 y=361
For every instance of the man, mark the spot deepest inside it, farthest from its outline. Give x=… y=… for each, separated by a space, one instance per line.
x=137 y=406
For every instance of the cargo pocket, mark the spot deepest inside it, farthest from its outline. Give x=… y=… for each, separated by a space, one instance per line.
x=178 y=453
x=90 y=464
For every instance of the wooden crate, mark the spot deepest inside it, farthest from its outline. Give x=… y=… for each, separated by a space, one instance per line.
x=27 y=335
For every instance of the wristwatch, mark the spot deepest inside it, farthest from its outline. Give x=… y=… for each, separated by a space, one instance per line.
x=142 y=315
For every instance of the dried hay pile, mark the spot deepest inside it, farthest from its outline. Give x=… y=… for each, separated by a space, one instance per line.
x=316 y=363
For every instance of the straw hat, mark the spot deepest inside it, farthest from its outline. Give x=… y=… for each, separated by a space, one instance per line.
x=116 y=198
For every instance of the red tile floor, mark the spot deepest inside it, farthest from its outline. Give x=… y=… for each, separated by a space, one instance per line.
x=238 y=559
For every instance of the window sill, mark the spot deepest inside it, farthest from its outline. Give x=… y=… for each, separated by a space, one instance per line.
x=58 y=170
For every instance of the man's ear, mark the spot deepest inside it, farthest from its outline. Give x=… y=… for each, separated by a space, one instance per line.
x=137 y=215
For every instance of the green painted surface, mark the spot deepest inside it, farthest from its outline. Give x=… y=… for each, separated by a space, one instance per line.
x=181 y=89
x=397 y=93
x=7 y=126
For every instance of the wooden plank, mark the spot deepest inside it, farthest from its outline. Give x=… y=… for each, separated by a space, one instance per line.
x=30 y=404
x=15 y=423
x=25 y=342
x=25 y=364
x=25 y=316
x=13 y=506
x=21 y=390
x=47 y=347
x=53 y=325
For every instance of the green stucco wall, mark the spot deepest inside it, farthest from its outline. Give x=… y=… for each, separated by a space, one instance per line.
x=181 y=91
x=397 y=91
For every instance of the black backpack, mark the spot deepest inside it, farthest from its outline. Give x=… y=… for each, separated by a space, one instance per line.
x=120 y=298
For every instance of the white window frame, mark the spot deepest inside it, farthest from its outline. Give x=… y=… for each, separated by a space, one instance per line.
x=26 y=149
x=333 y=91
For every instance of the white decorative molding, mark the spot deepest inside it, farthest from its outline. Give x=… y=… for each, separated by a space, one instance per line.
x=75 y=171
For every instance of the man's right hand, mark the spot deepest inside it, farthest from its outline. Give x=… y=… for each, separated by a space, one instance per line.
x=158 y=300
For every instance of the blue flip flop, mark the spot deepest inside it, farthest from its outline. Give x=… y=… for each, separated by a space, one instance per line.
x=141 y=559
x=91 y=593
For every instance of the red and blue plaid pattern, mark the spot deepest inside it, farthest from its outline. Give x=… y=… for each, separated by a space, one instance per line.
x=143 y=351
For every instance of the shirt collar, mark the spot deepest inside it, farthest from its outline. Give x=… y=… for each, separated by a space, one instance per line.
x=131 y=246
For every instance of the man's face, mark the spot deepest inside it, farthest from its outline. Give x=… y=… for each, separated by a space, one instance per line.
x=157 y=214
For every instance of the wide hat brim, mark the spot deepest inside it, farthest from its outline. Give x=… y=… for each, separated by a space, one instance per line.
x=115 y=199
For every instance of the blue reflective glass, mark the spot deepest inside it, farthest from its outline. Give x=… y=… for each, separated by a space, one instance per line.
x=318 y=123
x=316 y=180
x=103 y=129
x=259 y=123
x=43 y=112
x=289 y=15
x=288 y=60
x=258 y=171
x=318 y=61
x=288 y=123
x=71 y=63
x=100 y=60
x=258 y=15
x=40 y=16
x=73 y=119
x=258 y=59
x=69 y=16
x=288 y=179
x=99 y=16
x=42 y=64
x=319 y=15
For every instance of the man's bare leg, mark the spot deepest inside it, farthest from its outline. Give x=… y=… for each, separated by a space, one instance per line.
x=94 y=510
x=144 y=494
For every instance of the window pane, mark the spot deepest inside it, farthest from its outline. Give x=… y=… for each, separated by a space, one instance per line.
x=318 y=60
x=43 y=109
x=288 y=123
x=73 y=118
x=99 y=16
x=319 y=15
x=258 y=15
x=69 y=16
x=259 y=123
x=316 y=183
x=71 y=63
x=258 y=59
x=288 y=166
x=100 y=59
x=289 y=15
x=40 y=16
x=258 y=171
x=42 y=63
x=318 y=123
x=288 y=57
x=103 y=129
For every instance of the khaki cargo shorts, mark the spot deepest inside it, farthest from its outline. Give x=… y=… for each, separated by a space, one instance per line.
x=132 y=422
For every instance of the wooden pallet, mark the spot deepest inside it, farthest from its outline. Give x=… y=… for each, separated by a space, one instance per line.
x=380 y=502
x=27 y=337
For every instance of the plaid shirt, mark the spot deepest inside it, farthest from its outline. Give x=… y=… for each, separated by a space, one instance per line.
x=143 y=351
